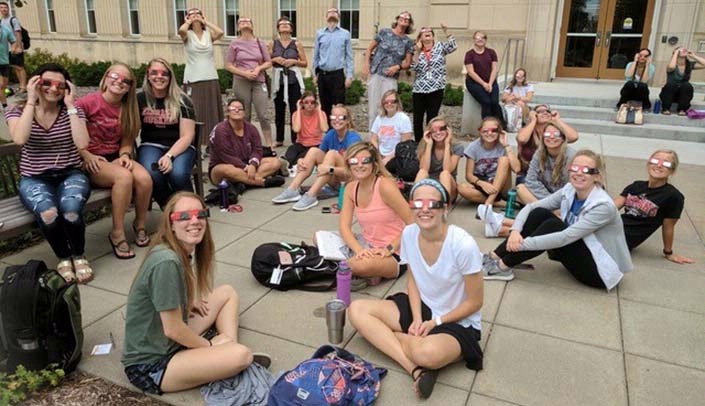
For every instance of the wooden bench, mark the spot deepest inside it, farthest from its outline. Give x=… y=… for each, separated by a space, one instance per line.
x=17 y=220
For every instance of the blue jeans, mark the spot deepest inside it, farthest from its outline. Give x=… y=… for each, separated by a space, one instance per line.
x=65 y=191
x=488 y=101
x=167 y=184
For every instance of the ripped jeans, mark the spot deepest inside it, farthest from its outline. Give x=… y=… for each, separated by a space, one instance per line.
x=56 y=198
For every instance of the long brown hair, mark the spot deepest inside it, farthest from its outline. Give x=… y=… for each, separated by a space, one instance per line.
x=513 y=82
x=422 y=144
x=129 y=111
x=559 y=176
x=199 y=281
x=174 y=95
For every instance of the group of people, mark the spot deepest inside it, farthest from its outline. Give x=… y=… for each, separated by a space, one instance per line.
x=186 y=334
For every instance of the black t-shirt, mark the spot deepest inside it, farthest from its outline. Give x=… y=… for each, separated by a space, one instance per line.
x=156 y=126
x=645 y=209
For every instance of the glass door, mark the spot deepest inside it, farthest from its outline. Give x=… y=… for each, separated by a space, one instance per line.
x=599 y=37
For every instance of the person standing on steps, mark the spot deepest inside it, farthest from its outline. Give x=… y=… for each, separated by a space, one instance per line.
x=332 y=62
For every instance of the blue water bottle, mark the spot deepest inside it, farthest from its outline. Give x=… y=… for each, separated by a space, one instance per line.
x=657 y=106
x=509 y=211
x=341 y=195
x=223 y=188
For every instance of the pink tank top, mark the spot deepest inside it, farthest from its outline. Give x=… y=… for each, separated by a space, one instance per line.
x=380 y=224
x=310 y=134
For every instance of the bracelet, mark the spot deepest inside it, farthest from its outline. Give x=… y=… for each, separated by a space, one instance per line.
x=400 y=68
x=438 y=320
x=667 y=252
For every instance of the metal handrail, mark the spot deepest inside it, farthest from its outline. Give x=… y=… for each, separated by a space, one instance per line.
x=519 y=45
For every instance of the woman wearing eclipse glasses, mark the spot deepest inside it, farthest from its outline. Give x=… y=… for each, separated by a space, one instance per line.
x=436 y=322
x=113 y=123
x=653 y=203
x=588 y=238
x=51 y=130
x=180 y=331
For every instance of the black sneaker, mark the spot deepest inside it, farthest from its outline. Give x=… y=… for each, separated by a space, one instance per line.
x=268 y=152
x=274 y=181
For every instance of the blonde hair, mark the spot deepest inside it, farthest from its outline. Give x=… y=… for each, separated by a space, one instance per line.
x=199 y=281
x=348 y=114
x=422 y=143
x=674 y=157
x=599 y=163
x=559 y=176
x=378 y=167
x=382 y=110
x=174 y=97
x=129 y=111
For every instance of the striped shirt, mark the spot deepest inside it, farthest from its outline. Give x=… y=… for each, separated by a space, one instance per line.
x=48 y=149
x=430 y=67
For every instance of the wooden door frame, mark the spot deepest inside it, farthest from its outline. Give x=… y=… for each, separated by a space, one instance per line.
x=563 y=41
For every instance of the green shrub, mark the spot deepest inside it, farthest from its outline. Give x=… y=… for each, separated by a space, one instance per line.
x=453 y=96
x=405 y=95
x=354 y=93
x=15 y=388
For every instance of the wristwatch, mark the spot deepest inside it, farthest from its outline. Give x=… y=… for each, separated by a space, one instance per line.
x=72 y=111
x=438 y=320
x=331 y=169
x=170 y=156
x=390 y=248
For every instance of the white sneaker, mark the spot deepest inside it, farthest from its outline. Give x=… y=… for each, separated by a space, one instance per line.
x=293 y=171
x=493 y=223
x=482 y=211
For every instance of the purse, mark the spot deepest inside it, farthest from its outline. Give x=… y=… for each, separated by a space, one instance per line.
x=630 y=113
x=267 y=78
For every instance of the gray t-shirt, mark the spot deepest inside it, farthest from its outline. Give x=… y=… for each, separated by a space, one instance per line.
x=486 y=160
x=12 y=23
x=436 y=166
x=391 y=50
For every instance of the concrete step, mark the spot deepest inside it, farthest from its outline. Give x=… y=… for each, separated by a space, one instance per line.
x=648 y=130
x=608 y=114
x=699 y=87
x=602 y=102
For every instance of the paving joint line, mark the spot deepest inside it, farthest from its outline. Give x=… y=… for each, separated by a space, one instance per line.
x=650 y=358
x=664 y=307
x=571 y=340
x=624 y=352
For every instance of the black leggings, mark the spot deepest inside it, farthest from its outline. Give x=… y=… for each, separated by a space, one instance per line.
x=428 y=104
x=575 y=257
x=635 y=91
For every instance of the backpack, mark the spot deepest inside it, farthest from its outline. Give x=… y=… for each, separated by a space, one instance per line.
x=40 y=318
x=307 y=269
x=407 y=160
x=333 y=376
x=26 y=41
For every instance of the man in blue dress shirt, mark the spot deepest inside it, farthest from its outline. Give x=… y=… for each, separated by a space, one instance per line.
x=332 y=62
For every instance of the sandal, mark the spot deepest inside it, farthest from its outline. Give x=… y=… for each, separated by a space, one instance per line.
x=65 y=269
x=120 y=252
x=424 y=381
x=84 y=272
x=682 y=113
x=666 y=112
x=141 y=237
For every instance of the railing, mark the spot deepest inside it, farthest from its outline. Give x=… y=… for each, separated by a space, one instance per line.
x=511 y=62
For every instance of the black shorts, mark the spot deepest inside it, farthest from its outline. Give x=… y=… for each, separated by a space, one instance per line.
x=149 y=376
x=467 y=337
x=17 y=59
x=5 y=70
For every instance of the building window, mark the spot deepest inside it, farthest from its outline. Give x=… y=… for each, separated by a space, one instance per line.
x=134 y=16
x=179 y=13
x=231 y=15
x=287 y=8
x=350 y=16
x=51 y=19
x=90 y=16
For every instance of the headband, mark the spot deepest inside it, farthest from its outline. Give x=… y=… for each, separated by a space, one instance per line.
x=434 y=184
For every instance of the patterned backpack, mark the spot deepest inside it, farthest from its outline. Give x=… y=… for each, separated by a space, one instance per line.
x=333 y=376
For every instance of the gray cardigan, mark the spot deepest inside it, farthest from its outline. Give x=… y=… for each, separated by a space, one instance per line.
x=598 y=224
x=541 y=184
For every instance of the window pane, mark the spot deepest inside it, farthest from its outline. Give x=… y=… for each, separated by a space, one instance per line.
x=91 y=22
x=90 y=4
x=230 y=24
x=231 y=5
x=135 y=22
x=52 y=21
x=180 y=4
x=180 y=17
x=50 y=4
x=133 y=5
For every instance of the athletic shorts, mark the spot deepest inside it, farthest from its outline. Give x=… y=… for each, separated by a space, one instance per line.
x=17 y=59
x=148 y=376
x=5 y=71
x=467 y=337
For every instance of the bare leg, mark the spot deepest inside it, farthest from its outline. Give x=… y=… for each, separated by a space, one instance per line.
x=367 y=267
x=524 y=194
x=143 y=193
x=269 y=167
x=313 y=157
x=500 y=179
x=119 y=179
x=233 y=174
x=332 y=159
x=223 y=304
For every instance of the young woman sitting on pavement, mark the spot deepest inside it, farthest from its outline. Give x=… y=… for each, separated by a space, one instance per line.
x=487 y=166
x=529 y=137
x=439 y=156
x=653 y=203
x=373 y=198
x=328 y=159
x=391 y=127
x=437 y=321
x=172 y=303
x=51 y=130
x=113 y=122
x=236 y=152
x=588 y=238
x=309 y=123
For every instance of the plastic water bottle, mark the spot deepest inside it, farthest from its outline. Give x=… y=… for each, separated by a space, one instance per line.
x=657 y=106
x=509 y=211
x=223 y=188
x=341 y=195
x=343 y=280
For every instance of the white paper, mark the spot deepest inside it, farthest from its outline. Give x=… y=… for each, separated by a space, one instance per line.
x=102 y=349
x=330 y=245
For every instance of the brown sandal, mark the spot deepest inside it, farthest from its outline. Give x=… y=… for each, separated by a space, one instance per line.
x=84 y=272
x=141 y=237
x=121 y=252
x=65 y=269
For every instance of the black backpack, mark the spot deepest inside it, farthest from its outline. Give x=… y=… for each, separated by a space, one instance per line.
x=407 y=160
x=26 y=41
x=40 y=318
x=307 y=270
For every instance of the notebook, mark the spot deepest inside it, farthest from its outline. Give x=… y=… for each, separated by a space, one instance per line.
x=331 y=246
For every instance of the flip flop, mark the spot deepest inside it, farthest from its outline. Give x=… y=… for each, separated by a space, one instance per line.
x=117 y=250
x=424 y=381
x=85 y=272
x=235 y=208
x=141 y=237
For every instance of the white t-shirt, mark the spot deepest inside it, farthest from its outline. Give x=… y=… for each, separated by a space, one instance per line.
x=520 y=91
x=389 y=131
x=441 y=285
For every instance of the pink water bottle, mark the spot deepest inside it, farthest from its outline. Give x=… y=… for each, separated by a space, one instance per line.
x=343 y=279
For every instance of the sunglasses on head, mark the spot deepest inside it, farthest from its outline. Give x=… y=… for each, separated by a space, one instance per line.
x=58 y=84
x=187 y=215
x=120 y=79
x=341 y=118
x=235 y=109
x=160 y=73
x=429 y=204
x=365 y=161
x=662 y=162
x=583 y=169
